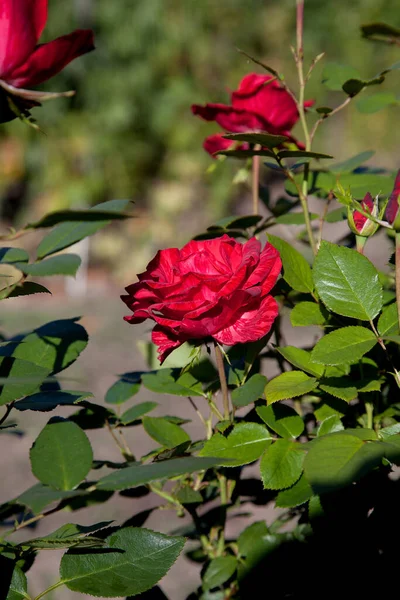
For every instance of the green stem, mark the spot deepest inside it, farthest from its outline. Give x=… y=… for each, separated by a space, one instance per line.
x=9 y=408
x=222 y=378
x=50 y=589
x=255 y=182
x=369 y=407
x=398 y=273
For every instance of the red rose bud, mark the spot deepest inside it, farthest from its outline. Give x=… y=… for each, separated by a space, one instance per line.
x=392 y=213
x=260 y=104
x=359 y=223
x=24 y=62
x=213 y=288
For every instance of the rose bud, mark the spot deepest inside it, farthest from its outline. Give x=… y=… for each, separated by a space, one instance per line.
x=392 y=213
x=260 y=104
x=211 y=288
x=359 y=223
x=24 y=62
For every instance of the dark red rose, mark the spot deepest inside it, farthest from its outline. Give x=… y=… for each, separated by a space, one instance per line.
x=260 y=104
x=214 y=288
x=24 y=62
x=392 y=209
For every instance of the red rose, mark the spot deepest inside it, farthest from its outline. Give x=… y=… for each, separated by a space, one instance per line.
x=361 y=225
x=24 y=62
x=392 y=209
x=260 y=104
x=214 y=288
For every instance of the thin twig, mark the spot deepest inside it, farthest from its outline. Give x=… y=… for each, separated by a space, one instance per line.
x=222 y=378
x=9 y=408
x=327 y=115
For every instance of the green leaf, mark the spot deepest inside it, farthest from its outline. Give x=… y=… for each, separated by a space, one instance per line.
x=46 y=401
x=67 y=234
x=250 y=391
x=132 y=561
x=125 y=388
x=358 y=183
x=244 y=444
x=10 y=256
x=335 y=75
x=136 y=412
x=337 y=215
x=281 y=464
x=163 y=382
x=39 y=496
x=245 y=153
x=380 y=29
x=235 y=222
x=296 y=270
x=387 y=432
x=345 y=345
x=282 y=419
x=69 y=535
x=19 y=378
x=376 y=102
x=330 y=425
x=249 y=536
x=294 y=218
x=263 y=139
x=339 y=388
x=301 y=359
x=300 y=154
x=165 y=433
x=74 y=216
x=132 y=477
x=388 y=322
x=289 y=385
x=296 y=495
x=64 y=264
x=352 y=163
x=26 y=288
x=19 y=586
x=219 y=571
x=61 y=455
x=337 y=460
x=188 y=495
x=55 y=345
x=352 y=87
x=347 y=282
x=308 y=313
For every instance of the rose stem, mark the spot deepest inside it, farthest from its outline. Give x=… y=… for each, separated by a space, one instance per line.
x=397 y=261
x=255 y=182
x=222 y=378
x=299 y=55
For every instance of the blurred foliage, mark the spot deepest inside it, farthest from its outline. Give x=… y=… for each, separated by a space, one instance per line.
x=129 y=132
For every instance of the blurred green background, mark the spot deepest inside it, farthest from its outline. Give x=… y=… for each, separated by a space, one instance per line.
x=129 y=131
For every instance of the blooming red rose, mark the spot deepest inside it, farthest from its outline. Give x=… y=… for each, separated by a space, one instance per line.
x=392 y=209
x=260 y=104
x=24 y=62
x=360 y=224
x=214 y=288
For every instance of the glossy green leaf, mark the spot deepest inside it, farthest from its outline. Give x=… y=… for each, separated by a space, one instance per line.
x=165 y=433
x=26 y=288
x=347 y=282
x=296 y=495
x=308 y=313
x=296 y=270
x=39 y=496
x=345 y=345
x=125 y=388
x=219 y=571
x=289 y=385
x=387 y=432
x=10 y=256
x=187 y=495
x=68 y=535
x=388 y=322
x=137 y=412
x=77 y=216
x=281 y=464
x=282 y=419
x=250 y=391
x=263 y=139
x=19 y=378
x=244 y=444
x=249 y=536
x=376 y=102
x=301 y=154
x=245 y=153
x=67 y=234
x=301 y=359
x=352 y=163
x=61 y=455
x=335 y=75
x=163 y=382
x=337 y=460
x=140 y=559
x=132 y=477
x=63 y=264
x=46 y=401
x=19 y=586
x=330 y=425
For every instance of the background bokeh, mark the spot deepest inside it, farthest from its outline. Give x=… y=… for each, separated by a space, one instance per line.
x=129 y=133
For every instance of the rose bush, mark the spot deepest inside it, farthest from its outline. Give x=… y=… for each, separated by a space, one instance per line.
x=259 y=104
x=214 y=288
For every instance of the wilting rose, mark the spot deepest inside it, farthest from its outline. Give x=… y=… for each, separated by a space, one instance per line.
x=24 y=62
x=214 y=288
x=392 y=209
x=360 y=224
x=260 y=104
